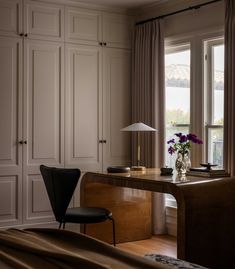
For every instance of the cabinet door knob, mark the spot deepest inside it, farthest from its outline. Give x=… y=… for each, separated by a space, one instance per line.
x=102 y=141
x=26 y=35
x=23 y=142
x=21 y=34
x=105 y=43
x=100 y=43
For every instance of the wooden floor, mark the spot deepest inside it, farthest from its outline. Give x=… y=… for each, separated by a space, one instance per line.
x=161 y=244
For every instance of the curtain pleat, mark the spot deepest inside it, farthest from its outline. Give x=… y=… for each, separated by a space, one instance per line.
x=148 y=104
x=229 y=88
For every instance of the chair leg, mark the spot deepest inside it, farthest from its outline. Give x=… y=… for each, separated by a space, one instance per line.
x=114 y=236
x=61 y=225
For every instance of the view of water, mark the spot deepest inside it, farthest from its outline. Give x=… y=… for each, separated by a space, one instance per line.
x=179 y=98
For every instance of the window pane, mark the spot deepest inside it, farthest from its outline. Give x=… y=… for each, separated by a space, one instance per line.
x=177 y=81
x=215 y=144
x=214 y=79
x=218 y=84
x=177 y=76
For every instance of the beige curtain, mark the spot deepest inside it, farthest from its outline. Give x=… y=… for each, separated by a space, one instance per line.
x=229 y=88
x=148 y=103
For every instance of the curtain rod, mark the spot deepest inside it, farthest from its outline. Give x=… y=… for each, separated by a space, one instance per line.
x=178 y=11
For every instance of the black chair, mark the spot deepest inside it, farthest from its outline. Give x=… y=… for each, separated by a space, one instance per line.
x=60 y=185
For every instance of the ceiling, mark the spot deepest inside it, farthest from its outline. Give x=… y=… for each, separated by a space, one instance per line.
x=122 y=3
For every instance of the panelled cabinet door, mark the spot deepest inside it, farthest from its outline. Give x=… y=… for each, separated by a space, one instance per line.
x=83 y=108
x=10 y=17
x=117 y=30
x=44 y=21
x=44 y=121
x=116 y=106
x=82 y=26
x=11 y=131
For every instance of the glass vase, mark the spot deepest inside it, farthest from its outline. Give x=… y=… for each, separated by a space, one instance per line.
x=182 y=163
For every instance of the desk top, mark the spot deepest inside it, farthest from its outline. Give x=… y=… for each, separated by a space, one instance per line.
x=150 y=179
x=154 y=175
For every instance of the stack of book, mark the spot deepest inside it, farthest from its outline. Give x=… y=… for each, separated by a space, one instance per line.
x=203 y=172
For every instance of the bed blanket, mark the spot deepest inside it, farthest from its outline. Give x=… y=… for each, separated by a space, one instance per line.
x=53 y=249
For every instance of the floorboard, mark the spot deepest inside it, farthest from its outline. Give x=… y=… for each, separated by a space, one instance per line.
x=161 y=244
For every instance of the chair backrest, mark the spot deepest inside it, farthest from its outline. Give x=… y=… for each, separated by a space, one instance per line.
x=60 y=185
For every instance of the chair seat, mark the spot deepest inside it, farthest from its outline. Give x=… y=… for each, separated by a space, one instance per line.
x=87 y=214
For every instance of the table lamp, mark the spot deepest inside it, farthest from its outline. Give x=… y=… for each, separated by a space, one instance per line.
x=138 y=127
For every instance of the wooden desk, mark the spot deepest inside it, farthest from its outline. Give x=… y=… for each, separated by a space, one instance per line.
x=205 y=215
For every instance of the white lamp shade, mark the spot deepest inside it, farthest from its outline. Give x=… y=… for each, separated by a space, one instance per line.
x=139 y=126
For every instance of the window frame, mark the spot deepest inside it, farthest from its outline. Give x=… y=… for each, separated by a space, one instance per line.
x=198 y=99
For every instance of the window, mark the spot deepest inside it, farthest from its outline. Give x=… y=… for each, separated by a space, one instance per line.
x=194 y=96
x=214 y=94
x=177 y=100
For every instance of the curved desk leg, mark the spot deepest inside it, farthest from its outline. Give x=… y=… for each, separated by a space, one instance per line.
x=209 y=226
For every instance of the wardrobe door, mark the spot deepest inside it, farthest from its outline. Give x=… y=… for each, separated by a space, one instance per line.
x=44 y=21
x=82 y=26
x=117 y=30
x=11 y=131
x=43 y=122
x=116 y=106
x=83 y=107
x=10 y=17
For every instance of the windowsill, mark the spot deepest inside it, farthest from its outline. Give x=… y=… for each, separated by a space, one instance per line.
x=171 y=203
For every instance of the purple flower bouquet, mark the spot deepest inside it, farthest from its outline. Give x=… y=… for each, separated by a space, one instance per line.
x=182 y=143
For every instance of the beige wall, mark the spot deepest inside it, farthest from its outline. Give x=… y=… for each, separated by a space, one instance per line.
x=211 y=16
x=207 y=17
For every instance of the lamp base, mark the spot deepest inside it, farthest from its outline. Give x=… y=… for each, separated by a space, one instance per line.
x=138 y=168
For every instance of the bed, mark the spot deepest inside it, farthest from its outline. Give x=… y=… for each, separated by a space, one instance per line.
x=53 y=249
